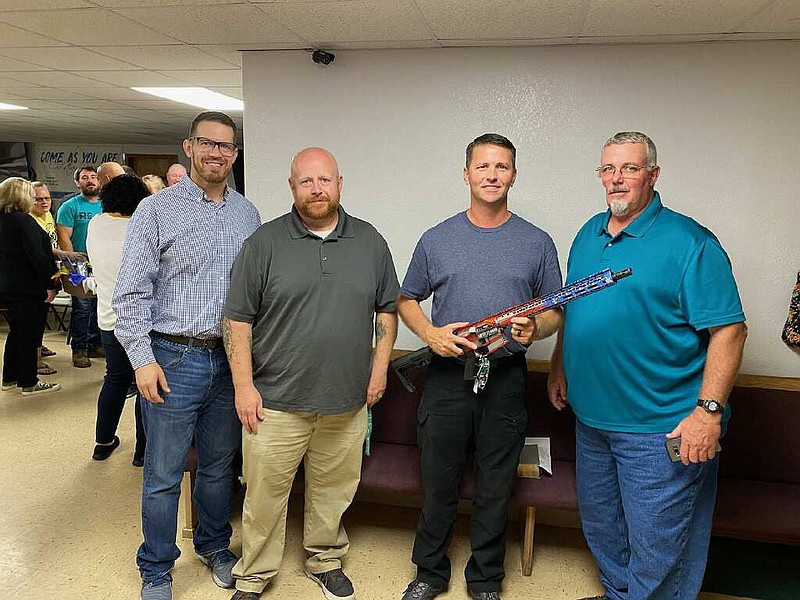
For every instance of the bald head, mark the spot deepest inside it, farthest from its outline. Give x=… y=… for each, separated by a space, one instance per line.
x=175 y=173
x=316 y=186
x=107 y=171
x=312 y=155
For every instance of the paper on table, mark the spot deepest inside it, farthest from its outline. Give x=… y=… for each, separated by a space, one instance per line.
x=543 y=444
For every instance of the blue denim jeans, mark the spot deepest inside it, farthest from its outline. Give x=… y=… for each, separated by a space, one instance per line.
x=111 y=401
x=84 y=331
x=199 y=407
x=646 y=519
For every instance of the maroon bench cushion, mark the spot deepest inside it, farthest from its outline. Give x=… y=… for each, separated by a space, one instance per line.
x=758 y=510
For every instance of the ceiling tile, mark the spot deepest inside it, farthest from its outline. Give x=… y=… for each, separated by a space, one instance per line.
x=138 y=3
x=231 y=77
x=132 y=78
x=320 y=22
x=13 y=84
x=68 y=58
x=511 y=19
x=11 y=64
x=50 y=78
x=651 y=17
x=87 y=27
x=236 y=23
x=14 y=37
x=165 y=58
x=44 y=4
x=780 y=16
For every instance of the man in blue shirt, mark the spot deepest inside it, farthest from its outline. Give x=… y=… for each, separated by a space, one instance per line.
x=475 y=263
x=171 y=291
x=72 y=223
x=651 y=359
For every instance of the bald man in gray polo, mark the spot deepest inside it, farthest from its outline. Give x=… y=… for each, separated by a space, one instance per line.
x=308 y=292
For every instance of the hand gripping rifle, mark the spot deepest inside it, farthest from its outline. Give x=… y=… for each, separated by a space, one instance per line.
x=488 y=333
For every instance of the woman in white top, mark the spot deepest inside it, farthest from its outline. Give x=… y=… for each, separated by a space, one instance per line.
x=104 y=240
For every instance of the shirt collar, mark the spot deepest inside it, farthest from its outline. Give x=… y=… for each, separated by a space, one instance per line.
x=196 y=192
x=297 y=230
x=641 y=224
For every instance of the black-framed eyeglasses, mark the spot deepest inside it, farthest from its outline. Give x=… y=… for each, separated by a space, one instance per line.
x=207 y=145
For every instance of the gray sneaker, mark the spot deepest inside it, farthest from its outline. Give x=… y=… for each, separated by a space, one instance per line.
x=221 y=564
x=161 y=591
x=42 y=387
x=335 y=584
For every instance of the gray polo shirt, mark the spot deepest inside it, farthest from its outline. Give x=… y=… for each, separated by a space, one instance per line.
x=312 y=304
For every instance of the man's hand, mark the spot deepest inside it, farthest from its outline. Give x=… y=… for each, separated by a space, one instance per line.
x=699 y=433
x=74 y=255
x=557 y=388
x=376 y=387
x=51 y=295
x=444 y=342
x=249 y=407
x=523 y=329
x=150 y=379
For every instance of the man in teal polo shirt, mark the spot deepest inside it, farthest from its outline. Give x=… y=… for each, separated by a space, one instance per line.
x=651 y=359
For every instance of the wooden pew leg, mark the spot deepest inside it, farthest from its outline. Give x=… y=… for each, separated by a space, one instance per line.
x=526 y=550
x=189 y=513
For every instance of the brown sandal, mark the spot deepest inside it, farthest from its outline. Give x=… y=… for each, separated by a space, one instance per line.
x=45 y=369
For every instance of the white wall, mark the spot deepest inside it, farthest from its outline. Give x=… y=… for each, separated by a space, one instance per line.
x=724 y=117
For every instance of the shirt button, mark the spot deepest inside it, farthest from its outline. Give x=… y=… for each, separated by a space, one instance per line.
x=324 y=258
x=608 y=245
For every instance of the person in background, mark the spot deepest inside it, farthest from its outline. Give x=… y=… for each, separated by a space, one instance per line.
x=120 y=196
x=651 y=359
x=175 y=173
x=27 y=271
x=72 y=222
x=107 y=171
x=154 y=183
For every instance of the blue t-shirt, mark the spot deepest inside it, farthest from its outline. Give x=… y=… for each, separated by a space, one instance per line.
x=474 y=271
x=76 y=213
x=634 y=353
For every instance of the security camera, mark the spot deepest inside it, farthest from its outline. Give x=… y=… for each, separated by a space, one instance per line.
x=322 y=58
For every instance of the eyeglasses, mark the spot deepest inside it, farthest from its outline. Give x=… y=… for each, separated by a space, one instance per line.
x=207 y=145
x=628 y=171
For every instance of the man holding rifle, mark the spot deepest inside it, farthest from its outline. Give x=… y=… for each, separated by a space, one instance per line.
x=475 y=263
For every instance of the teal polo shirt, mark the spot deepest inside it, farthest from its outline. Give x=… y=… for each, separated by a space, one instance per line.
x=634 y=353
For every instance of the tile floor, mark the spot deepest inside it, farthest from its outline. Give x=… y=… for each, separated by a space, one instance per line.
x=69 y=526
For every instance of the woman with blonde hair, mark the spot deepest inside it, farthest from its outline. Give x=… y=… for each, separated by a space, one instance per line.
x=154 y=183
x=27 y=269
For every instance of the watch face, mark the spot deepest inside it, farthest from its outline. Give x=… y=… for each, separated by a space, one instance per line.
x=711 y=406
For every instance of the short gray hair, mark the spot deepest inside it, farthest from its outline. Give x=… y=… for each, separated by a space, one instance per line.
x=635 y=137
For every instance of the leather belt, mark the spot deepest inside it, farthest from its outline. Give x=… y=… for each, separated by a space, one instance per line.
x=204 y=344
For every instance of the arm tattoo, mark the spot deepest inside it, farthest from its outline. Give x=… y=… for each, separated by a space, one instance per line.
x=380 y=330
x=227 y=337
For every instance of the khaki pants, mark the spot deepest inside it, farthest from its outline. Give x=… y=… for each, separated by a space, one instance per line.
x=332 y=447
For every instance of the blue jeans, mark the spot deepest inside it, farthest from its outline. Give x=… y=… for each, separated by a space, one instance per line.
x=646 y=519
x=199 y=407
x=83 y=324
x=111 y=401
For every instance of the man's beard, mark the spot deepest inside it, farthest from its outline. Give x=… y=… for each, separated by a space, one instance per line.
x=208 y=175
x=317 y=211
x=619 y=208
x=90 y=190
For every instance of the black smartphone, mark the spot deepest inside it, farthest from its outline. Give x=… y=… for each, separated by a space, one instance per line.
x=674 y=449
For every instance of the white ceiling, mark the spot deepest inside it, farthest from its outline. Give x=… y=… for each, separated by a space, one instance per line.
x=72 y=62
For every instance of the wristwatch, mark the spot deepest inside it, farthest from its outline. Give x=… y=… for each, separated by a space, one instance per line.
x=710 y=406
